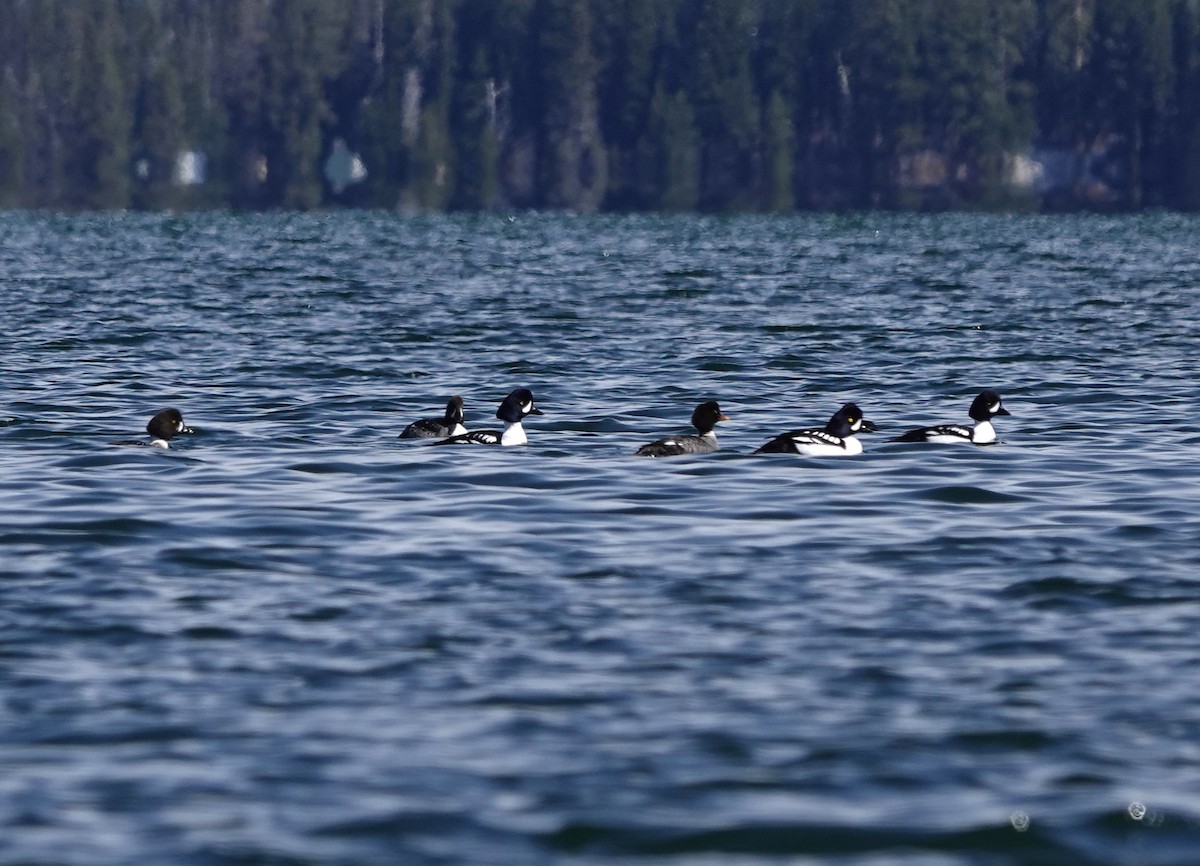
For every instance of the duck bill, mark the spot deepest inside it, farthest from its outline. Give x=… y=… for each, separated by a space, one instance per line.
x=868 y=427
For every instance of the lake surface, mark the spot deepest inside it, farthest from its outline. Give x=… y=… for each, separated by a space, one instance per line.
x=296 y=639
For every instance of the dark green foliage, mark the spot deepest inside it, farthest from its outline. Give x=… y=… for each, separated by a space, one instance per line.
x=673 y=142
x=585 y=104
x=474 y=115
x=158 y=123
x=719 y=38
x=1130 y=79
x=1184 y=138
x=11 y=148
x=297 y=59
x=628 y=36
x=779 y=154
x=573 y=167
x=406 y=136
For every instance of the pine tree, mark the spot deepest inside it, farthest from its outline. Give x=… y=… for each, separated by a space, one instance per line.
x=779 y=155
x=572 y=155
x=719 y=36
x=159 y=112
x=298 y=59
x=878 y=49
x=408 y=145
x=12 y=151
x=672 y=145
x=629 y=40
x=208 y=131
x=240 y=34
x=97 y=139
x=1183 y=178
x=786 y=61
x=474 y=118
x=431 y=185
x=974 y=110
x=626 y=104
x=33 y=30
x=1059 y=49
x=1130 y=80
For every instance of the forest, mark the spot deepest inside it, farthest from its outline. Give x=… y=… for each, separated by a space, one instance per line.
x=613 y=105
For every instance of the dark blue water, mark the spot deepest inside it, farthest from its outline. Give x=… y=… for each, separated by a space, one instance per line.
x=295 y=639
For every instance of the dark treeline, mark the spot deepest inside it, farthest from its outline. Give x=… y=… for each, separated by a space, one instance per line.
x=766 y=105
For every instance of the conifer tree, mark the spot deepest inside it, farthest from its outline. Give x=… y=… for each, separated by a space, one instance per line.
x=795 y=60
x=31 y=29
x=409 y=148
x=974 y=110
x=207 y=131
x=886 y=92
x=779 y=142
x=98 y=138
x=1058 y=51
x=1130 y=80
x=474 y=116
x=718 y=35
x=673 y=141
x=623 y=104
x=298 y=58
x=1183 y=186
x=629 y=40
x=159 y=112
x=12 y=151
x=572 y=155
x=431 y=185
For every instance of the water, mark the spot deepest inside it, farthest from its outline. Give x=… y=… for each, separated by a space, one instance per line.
x=295 y=639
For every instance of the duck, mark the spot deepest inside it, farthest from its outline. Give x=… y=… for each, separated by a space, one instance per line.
x=451 y=424
x=984 y=408
x=704 y=419
x=836 y=439
x=513 y=409
x=163 y=427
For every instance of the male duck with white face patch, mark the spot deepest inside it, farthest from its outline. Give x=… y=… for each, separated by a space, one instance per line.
x=836 y=439
x=985 y=407
x=512 y=411
x=163 y=427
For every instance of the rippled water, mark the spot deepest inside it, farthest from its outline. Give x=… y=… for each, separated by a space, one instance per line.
x=296 y=639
